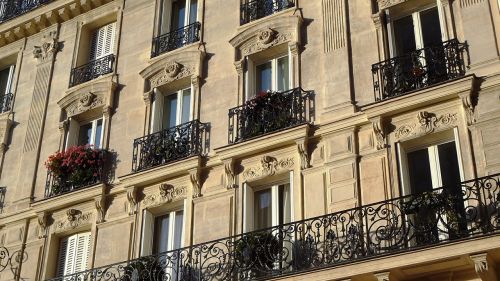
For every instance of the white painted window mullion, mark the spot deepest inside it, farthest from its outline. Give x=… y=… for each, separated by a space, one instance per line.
x=171 y=231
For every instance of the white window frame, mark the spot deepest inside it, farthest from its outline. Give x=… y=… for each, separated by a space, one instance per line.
x=73 y=134
x=168 y=4
x=158 y=105
x=148 y=231
x=433 y=158
x=73 y=254
x=248 y=206
x=251 y=74
x=10 y=79
x=419 y=42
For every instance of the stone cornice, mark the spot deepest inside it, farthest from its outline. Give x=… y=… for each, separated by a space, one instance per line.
x=55 y=12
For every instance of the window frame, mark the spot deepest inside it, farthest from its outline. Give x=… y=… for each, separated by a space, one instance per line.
x=249 y=191
x=73 y=132
x=403 y=148
x=86 y=255
x=94 y=40
x=158 y=111
x=149 y=216
x=417 y=28
x=161 y=14
x=10 y=79
x=251 y=74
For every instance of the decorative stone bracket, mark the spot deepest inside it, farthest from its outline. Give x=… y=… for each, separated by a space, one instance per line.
x=484 y=267
x=379 y=133
x=132 y=199
x=302 y=149
x=194 y=176
x=42 y=224
x=229 y=175
x=100 y=206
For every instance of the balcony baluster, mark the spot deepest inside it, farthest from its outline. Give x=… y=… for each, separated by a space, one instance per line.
x=176 y=39
x=10 y=9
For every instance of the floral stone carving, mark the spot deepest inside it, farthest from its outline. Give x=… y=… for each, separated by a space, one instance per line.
x=268 y=167
x=426 y=123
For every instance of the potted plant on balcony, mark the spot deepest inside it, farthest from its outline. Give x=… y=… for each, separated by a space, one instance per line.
x=75 y=167
x=256 y=253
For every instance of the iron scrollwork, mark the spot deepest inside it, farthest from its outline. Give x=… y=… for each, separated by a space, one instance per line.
x=169 y=145
x=176 y=39
x=256 y=9
x=92 y=70
x=470 y=210
x=10 y=9
x=419 y=69
x=270 y=112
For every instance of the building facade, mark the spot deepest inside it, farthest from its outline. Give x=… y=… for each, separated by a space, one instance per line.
x=249 y=140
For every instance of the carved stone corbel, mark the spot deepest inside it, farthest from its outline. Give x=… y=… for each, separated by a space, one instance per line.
x=194 y=177
x=240 y=67
x=230 y=175
x=384 y=276
x=42 y=224
x=468 y=104
x=132 y=199
x=303 y=153
x=147 y=97
x=484 y=267
x=100 y=206
x=379 y=134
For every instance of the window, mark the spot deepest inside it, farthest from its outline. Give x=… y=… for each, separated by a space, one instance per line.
x=74 y=253
x=84 y=133
x=162 y=233
x=102 y=42
x=415 y=31
x=267 y=206
x=6 y=76
x=272 y=75
x=176 y=14
x=172 y=109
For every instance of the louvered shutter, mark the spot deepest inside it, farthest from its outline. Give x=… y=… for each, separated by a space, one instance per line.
x=148 y=221
x=102 y=42
x=82 y=251
x=66 y=260
x=61 y=258
x=158 y=105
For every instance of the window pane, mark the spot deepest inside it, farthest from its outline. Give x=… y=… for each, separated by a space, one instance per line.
x=164 y=18
x=264 y=77
x=193 y=11
x=431 y=27
x=160 y=242
x=186 y=105
x=283 y=74
x=98 y=134
x=420 y=171
x=170 y=111
x=284 y=200
x=263 y=209
x=448 y=163
x=404 y=35
x=178 y=14
x=4 y=79
x=85 y=134
x=178 y=230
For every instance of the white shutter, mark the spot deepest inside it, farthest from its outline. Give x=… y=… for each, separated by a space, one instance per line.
x=248 y=209
x=165 y=16
x=61 y=259
x=73 y=131
x=103 y=41
x=109 y=39
x=82 y=251
x=69 y=261
x=158 y=103
x=147 y=233
x=250 y=80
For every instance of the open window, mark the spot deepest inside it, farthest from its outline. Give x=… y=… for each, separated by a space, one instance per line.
x=6 y=79
x=176 y=14
x=411 y=29
x=74 y=253
x=86 y=132
x=171 y=108
x=267 y=205
x=268 y=75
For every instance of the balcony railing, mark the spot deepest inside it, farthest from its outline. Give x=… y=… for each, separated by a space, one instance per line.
x=384 y=228
x=79 y=179
x=10 y=9
x=419 y=69
x=256 y=9
x=92 y=70
x=270 y=112
x=173 y=144
x=176 y=39
x=5 y=102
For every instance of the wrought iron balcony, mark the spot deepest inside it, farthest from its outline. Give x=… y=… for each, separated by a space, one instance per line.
x=79 y=176
x=394 y=226
x=257 y=9
x=92 y=70
x=419 y=69
x=5 y=102
x=10 y=9
x=270 y=112
x=175 y=39
x=173 y=144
